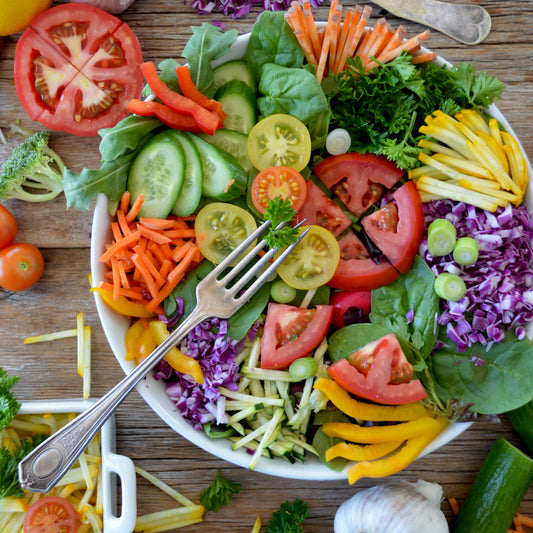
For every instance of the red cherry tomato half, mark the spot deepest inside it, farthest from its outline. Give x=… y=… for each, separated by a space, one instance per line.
x=379 y=372
x=292 y=332
x=8 y=227
x=21 y=266
x=76 y=69
x=278 y=181
x=350 y=307
x=397 y=230
x=51 y=514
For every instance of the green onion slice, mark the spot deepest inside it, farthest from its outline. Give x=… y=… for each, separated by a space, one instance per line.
x=441 y=237
x=303 y=368
x=449 y=287
x=466 y=251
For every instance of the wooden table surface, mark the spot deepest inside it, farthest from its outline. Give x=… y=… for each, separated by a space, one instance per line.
x=48 y=370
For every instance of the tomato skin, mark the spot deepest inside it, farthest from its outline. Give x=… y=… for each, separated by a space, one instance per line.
x=292 y=332
x=71 y=90
x=401 y=244
x=358 y=179
x=278 y=181
x=379 y=372
x=21 y=266
x=51 y=514
x=358 y=274
x=8 y=227
x=343 y=301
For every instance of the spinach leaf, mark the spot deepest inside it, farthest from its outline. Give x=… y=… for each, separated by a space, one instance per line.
x=272 y=41
x=206 y=44
x=494 y=381
x=412 y=291
x=296 y=92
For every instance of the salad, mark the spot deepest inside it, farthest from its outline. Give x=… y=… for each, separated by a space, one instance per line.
x=406 y=306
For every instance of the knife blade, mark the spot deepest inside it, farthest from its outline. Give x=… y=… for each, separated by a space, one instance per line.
x=466 y=23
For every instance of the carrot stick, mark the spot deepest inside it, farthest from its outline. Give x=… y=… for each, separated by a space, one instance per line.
x=311 y=29
x=124 y=201
x=153 y=235
x=423 y=58
x=115 y=230
x=183 y=265
x=357 y=32
x=124 y=227
x=396 y=39
x=324 y=53
x=156 y=223
x=145 y=275
x=525 y=520
x=119 y=245
x=369 y=40
x=181 y=252
x=135 y=208
x=345 y=28
x=188 y=233
x=406 y=45
x=334 y=38
x=295 y=18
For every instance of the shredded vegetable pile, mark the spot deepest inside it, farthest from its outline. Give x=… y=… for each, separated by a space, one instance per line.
x=240 y=8
x=499 y=296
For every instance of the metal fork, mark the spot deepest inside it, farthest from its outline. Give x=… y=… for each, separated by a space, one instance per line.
x=41 y=469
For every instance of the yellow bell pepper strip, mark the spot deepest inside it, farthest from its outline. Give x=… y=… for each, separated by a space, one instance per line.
x=374 y=434
x=139 y=341
x=398 y=461
x=342 y=400
x=175 y=358
x=358 y=452
x=122 y=306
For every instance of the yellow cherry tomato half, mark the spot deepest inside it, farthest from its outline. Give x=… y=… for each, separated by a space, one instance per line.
x=17 y=15
x=314 y=260
x=279 y=140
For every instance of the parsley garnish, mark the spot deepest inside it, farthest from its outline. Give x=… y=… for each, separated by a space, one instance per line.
x=8 y=404
x=279 y=210
x=288 y=518
x=219 y=493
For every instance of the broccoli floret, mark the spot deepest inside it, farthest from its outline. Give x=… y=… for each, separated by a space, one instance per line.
x=33 y=172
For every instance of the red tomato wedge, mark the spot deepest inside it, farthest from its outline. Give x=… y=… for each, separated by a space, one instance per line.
x=292 y=332
x=320 y=210
x=357 y=270
x=350 y=307
x=358 y=179
x=51 y=514
x=76 y=69
x=397 y=230
x=379 y=372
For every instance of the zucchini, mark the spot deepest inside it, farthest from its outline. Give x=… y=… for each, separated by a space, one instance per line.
x=238 y=102
x=233 y=70
x=522 y=421
x=497 y=491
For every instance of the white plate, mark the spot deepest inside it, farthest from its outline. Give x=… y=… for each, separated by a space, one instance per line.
x=153 y=391
x=114 y=467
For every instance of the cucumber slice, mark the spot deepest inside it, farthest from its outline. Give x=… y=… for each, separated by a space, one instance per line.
x=238 y=102
x=223 y=178
x=497 y=491
x=233 y=70
x=189 y=197
x=157 y=173
x=233 y=142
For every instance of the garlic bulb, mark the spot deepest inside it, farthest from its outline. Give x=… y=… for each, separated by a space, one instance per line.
x=111 y=6
x=400 y=507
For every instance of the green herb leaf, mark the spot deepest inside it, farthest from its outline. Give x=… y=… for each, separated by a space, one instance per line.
x=289 y=518
x=279 y=210
x=8 y=404
x=479 y=90
x=219 y=493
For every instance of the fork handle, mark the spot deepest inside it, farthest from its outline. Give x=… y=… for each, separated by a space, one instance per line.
x=42 y=468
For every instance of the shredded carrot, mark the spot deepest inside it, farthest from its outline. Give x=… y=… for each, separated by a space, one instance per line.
x=156 y=223
x=135 y=208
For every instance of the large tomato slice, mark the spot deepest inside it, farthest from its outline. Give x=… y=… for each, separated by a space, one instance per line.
x=292 y=332
x=397 y=230
x=379 y=372
x=51 y=514
x=357 y=270
x=76 y=68
x=319 y=210
x=358 y=179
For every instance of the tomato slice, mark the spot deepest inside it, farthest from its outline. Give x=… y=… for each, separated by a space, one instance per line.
x=76 y=68
x=292 y=332
x=358 y=179
x=279 y=140
x=357 y=270
x=379 y=372
x=319 y=210
x=397 y=230
x=278 y=181
x=350 y=307
x=51 y=514
x=313 y=262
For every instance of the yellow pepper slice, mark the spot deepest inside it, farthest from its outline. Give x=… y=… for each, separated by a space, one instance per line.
x=371 y=435
x=342 y=400
x=139 y=341
x=398 y=461
x=175 y=358
x=358 y=452
x=122 y=306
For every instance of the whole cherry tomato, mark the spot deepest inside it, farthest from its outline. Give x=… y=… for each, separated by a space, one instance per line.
x=8 y=227
x=21 y=266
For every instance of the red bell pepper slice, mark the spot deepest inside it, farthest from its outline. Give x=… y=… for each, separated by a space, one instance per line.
x=166 y=115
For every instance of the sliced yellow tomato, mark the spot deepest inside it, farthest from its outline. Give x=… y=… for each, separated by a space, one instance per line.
x=314 y=260
x=17 y=15
x=279 y=140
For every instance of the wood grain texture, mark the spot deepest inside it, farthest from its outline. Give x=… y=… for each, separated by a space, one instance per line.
x=48 y=370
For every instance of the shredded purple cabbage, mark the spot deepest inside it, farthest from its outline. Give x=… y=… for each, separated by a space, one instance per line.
x=499 y=293
x=208 y=344
x=240 y=8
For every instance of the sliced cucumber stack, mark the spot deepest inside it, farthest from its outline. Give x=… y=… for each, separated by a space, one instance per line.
x=233 y=142
x=233 y=70
x=238 y=102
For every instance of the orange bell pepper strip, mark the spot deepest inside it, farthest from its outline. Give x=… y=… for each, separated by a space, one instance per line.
x=122 y=305
x=175 y=358
x=341 y=399
x=358 y=452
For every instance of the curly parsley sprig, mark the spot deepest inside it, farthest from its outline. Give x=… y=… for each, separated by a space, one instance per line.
x=219 y=493
x=279 y=210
